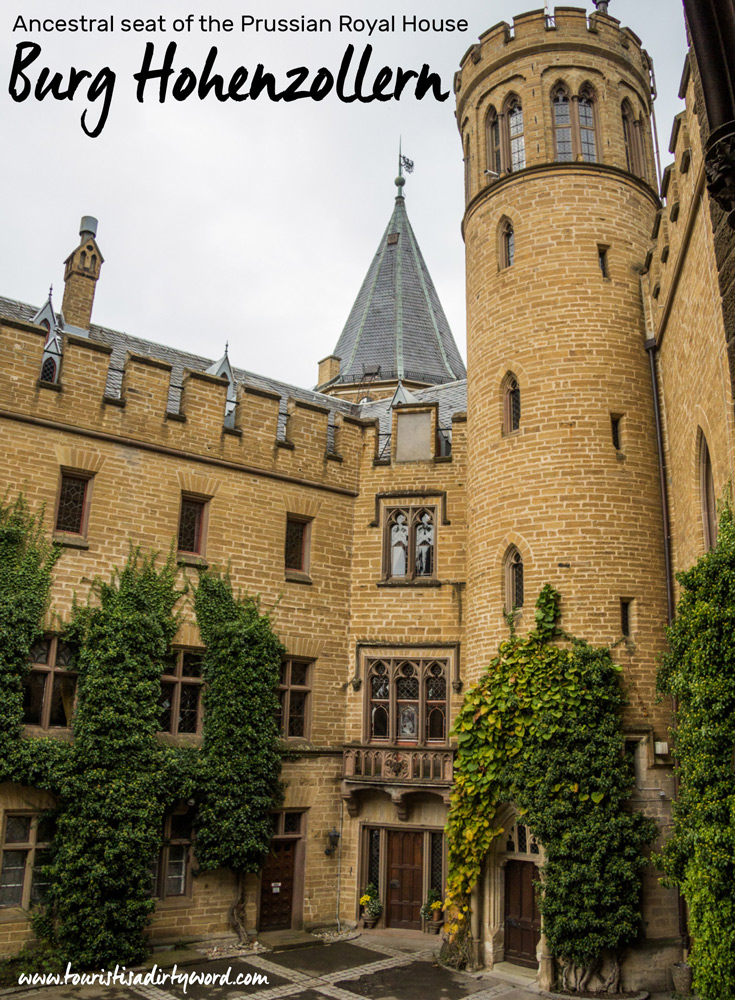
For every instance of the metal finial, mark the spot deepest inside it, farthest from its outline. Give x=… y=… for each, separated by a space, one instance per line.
x=50 y=292
x=227 y=345
x=601 y=5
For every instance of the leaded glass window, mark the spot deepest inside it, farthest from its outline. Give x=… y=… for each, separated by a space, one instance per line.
x=407 y=701
x=296 y=544
x=71 y=510
x=48 y=370
x=436 y=880
x=49 y=687
x=170 y=869
x=180 y=701
x=494 y=161
x=26 y=840
x=294 y=693
x=511 y=404
x=513 y=580
x=410 y=543
x=373 y=868
x=191 y=521
x=520 y=840
x=514 y=113
x=586 y=111
x=562 y=126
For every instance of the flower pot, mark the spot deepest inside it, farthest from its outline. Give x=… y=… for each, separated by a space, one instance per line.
x=682 y=976
x=369 y=922
x=436 y=916
x=434 y=926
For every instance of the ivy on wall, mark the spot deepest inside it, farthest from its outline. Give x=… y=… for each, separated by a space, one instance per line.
x=542 y=729
x=239 y=778
x=699 y=671
x=116 y=780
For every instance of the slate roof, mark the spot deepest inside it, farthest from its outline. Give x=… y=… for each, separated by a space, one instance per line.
x=397 y=320
x=451 y=396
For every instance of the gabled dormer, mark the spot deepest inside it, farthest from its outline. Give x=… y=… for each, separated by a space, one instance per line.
x=223 y=369
x=52 y=349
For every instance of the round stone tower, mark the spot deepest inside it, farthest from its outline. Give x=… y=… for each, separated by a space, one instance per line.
x=563 y=480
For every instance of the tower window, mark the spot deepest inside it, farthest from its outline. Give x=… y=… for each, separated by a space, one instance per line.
x=507 y=244
x=494 y=157
x=575 y=124
x=562 y=125
x=602 y=261
x=625 y=604
x=634 y=158
x=513 y=580
x=511 y=404
x=707 y=495
x=514 y=118
x=587 y=130
x=615 y=428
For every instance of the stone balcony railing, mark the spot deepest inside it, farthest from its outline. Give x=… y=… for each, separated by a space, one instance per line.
x=398 y=771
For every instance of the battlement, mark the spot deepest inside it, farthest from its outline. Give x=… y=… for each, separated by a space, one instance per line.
x=317 y=448
x=567 y=27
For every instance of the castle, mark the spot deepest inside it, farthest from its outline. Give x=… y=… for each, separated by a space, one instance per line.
x=399 y=510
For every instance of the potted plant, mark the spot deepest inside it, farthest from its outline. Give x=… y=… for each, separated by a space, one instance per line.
x=431 y=911
x=371 y=905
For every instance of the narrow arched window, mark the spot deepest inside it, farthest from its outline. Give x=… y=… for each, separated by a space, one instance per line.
x=423 y=533
x=398 y=543
x=511 y=404
x=48 y=370
x=379 y=702
x=83 y=260
x=513 y=580
x=467 y=169
x=562 y=124
x=587 y=130
x=707 y=494
x=492 y=130
x=514 y=118
x=628 y=137
x=436 y=703
x=507 y=244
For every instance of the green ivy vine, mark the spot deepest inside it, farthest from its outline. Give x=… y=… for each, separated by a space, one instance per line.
x=699 y=671
x=116 y=780
x=542 y=729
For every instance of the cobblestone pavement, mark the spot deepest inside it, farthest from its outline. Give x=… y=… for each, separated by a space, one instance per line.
x=364 y=970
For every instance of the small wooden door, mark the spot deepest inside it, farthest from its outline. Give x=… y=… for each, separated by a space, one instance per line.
x=405 y=879
x=276 y=887
x=522 y=917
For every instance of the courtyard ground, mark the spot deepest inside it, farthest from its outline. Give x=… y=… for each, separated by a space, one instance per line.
x=373 y=966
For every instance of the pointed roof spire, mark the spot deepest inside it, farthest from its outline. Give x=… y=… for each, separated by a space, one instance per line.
x=397 y=324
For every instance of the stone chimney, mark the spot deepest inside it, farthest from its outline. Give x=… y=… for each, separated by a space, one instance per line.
x=81 y=271
x=328 y=369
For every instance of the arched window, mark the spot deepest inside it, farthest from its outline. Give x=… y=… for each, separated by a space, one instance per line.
x=467 y=168
x=398 y=543
x=409 y=549
x=517 y=148
x=511 y=404
x=507 y=244
x=587 y=129
x=408 y=701
x=513 y=580
x=707 y=494
x=562 y=124
x=423 y=533
x=492 y=132
x=634 y=158
x=48 y=370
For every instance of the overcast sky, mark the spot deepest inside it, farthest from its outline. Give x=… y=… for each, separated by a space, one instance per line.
x=252 y=222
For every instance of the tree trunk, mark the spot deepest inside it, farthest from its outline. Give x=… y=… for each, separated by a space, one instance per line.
x=612 y=983
x=237 y=911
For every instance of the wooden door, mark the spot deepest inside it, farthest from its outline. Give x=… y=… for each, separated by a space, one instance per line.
x=405 y=879
x=276 y=887
x=522 y=917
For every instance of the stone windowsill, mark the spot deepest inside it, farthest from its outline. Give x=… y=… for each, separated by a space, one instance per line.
x=69 y=540
x=410 y=583
x=191 y=559
x=298 y=576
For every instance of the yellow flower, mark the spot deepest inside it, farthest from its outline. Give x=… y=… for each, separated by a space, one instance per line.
x=364 y=900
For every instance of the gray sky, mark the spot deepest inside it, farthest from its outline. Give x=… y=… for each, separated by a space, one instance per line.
x=251 y=222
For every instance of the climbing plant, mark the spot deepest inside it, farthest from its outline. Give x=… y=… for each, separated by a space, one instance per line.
x=239 y=781
x=699 y=671
x=111 y=800
x=542 y=729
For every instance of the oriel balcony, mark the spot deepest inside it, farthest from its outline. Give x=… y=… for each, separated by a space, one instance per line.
x=397 y=770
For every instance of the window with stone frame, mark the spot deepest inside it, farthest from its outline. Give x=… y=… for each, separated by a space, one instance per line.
x=294 y=697
x=72 y=505
x=513 y=111
x=298 y=537
x=575 y=124
x=520 y=840
x=181 y=693
x=171 y=868
x=507 y=244
x=494 y=149
x=511 y=404
x=407 y=701
x=192 y=524
x=25 y=851
x=633 y=138
x=49 y=687
x=409 y=546
x=707 y=494
x=513 y=580
x=586 y=113
x=562 y=120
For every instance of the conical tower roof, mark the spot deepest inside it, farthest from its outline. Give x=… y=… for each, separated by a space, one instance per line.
x=397 y=321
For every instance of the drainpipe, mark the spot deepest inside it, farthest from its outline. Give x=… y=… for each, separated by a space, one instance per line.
x=339 y=859
x=651 y=347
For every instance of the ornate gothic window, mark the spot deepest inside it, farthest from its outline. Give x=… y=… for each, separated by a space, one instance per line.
x=507 y=244
x=516 y=142
x=407 y=701
x=492 y=131
x=707 y=494
x=410 y=544
x=520 y=840
x=632 y=137
x=587 y=128
x=513 y=580
x=562 y=124
x=511 y=404
x=48 y=370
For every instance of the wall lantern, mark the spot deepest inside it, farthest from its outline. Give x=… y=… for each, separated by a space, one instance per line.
x=333 y=837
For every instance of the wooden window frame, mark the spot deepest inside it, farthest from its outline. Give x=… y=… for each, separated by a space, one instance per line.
x=393 y=664
x=412 y=514
x=30 y=847
x=177 y=679
x=159 y=876
x=51 y=671
x=81 y=476
x=203 y=503
x=287 y=687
